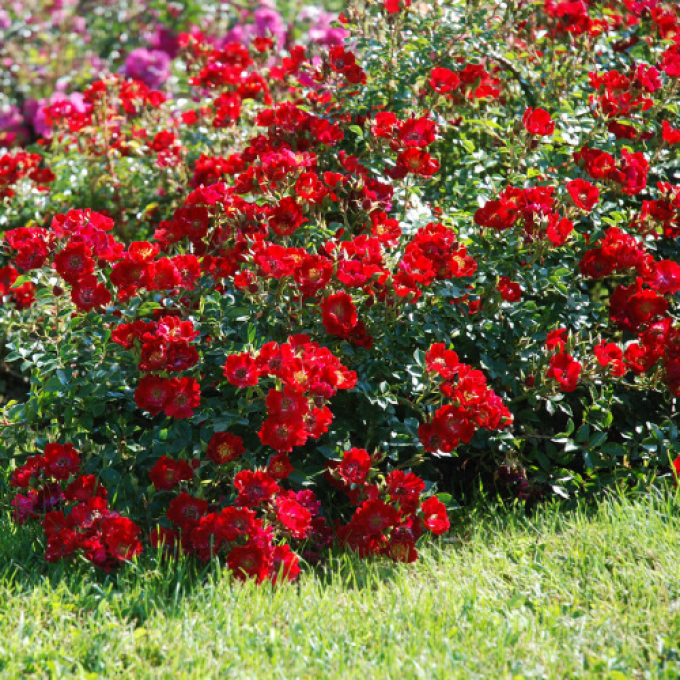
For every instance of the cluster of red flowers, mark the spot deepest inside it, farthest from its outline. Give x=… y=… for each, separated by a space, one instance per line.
x=474 y=405
x=246 y=531
x=532 y=207
x=74 y=240
x=73 y=510
x=635 y=306
x=114 y=105
x=19 y=166
x=562 y=366
x=629 y=174
x=410 y=137
x=227 y=70
x=470 y=82
x=344 y=64
x=390 y=515
x=22 y=296
x=310 y=375
x=660 y=217
x=434 y=254
x=163 y=346
x=619 y=96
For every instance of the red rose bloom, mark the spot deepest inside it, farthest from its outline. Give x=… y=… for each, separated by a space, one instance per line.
x=435 y=517
x=168 y=473
x=185 y=511
x=538 y=122
x=294 y=517
x=61 y=461
x=285 y=564
x=279 y=466
x=566 y=370
x=74 y=262
x=375 y=516
x=249 y=561
x=254 y=488
x=241 y=370
x=185 y=396
x=87 y=293
x=354 y=466
x=283 y=434
x=583 y=193
x=339 y=315
x=509 y=290
x=119 y=534
x=443 y=80
x=225 y=447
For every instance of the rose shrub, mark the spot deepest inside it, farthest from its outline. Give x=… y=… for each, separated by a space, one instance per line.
x=445 y=239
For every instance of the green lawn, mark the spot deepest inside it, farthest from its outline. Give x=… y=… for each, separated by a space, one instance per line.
x=559 y=595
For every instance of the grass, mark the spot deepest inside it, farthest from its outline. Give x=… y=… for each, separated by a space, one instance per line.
x=590 y=593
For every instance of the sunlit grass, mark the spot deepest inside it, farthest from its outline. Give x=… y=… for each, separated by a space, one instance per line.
x=587 y=593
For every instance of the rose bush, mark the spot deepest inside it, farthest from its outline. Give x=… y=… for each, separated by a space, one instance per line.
x=445 y=239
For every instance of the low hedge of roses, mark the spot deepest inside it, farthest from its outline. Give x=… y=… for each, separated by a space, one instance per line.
x=329 y=292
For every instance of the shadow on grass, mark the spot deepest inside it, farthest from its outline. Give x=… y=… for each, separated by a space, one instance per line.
x=155 y=583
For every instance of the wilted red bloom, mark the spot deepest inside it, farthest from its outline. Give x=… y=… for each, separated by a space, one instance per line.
x=435 y=516
x=566 y=370
x=225 y=447
x=538 y=122
x=167 y=473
